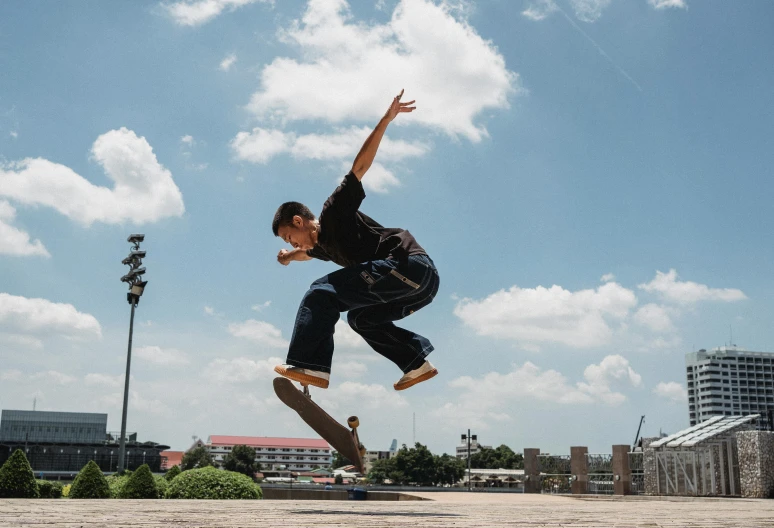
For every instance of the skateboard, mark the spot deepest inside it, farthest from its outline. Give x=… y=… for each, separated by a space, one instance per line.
x=343 y=440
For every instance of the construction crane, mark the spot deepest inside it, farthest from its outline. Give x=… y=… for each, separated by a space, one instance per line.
x=637 y=437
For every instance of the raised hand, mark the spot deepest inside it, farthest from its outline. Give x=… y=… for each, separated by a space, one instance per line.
x=397 y=107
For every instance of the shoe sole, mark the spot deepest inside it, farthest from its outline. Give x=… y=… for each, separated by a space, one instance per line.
x=419 y=379
x=304 y=379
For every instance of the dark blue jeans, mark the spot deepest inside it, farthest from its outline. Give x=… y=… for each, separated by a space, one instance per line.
x=375 y=294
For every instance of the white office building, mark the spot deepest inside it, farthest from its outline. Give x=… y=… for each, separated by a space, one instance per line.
x=730 y=381
x=475 y=447
x=294 y=454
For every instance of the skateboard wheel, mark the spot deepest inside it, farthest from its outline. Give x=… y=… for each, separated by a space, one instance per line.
x=353 y=422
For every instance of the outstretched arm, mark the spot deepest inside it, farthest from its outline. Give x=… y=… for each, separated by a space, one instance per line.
x=367 y=153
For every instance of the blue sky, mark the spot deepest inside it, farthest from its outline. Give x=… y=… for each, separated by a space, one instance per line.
x=591 y=177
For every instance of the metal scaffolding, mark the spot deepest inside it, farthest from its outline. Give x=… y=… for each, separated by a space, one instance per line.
x=701 y=460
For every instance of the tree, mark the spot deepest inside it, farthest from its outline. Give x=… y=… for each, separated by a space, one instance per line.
x=90 y=483
x=381 y=470
x=172 y=473
x=339 y=461
x=241 y=459
x=448 y=469
x=197 y=458
x=502 y=457
x=338 y=479
x=141 y=485
x=16 y=478
x=415 y=465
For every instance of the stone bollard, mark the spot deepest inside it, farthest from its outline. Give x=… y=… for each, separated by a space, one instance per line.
x=579 y=467
x=756 y=463
x=622 y=474
x=531 y=471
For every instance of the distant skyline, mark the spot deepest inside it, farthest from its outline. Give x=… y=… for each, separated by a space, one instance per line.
x=592 y=178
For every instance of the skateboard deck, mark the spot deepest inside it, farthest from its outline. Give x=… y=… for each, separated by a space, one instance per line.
x=343 y=440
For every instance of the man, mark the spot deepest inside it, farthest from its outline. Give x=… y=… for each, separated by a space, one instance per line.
x=386 y=276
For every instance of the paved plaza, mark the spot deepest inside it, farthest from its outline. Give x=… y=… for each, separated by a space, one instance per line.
x=445 y=509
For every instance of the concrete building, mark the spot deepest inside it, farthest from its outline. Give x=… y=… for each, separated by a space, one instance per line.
x=475 y=447
x=372 y=456
x=730 y=381
x=59 y=444
x=294 y=454
x=45 y=426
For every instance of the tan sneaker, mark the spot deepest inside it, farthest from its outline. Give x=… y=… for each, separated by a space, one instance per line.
x=304 y=376
x=418 y=375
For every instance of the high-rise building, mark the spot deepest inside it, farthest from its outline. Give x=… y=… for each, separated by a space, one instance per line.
x=730 y=381
x=475 y=447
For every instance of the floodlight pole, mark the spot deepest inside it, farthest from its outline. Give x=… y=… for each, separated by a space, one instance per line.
x=136 y=287
x=122 y=443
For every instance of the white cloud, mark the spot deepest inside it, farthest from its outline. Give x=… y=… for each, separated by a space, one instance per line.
x=540 y=9
x=600 y=378
x=349 y=369
x=18 y=340
x=10 y=375
x=686 y=292
x=197 y=12
x=261 y=145
x=137 y=402
x=242 y=369
x=228 y=62
x=345 y=337
x=671 y=391
x=261 y=306
x=350 y=70
x=493 y=396
x=14 y=134
x=654 y=317
x=14 y=241
x=106 y=380
x=52 y=376
x=539 y=315
x=187 y=140
x=22 y=316
x=607 y=277
x=260 y=331
x=665 y=4
x=162 y=356
x=143 y=189
x=354 y=397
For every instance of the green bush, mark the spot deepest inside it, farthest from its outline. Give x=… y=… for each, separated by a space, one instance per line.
x=172 y=473
x=141 y=485
x=66 y=491
x=90 y=483
x=211 y=483
x=49 y=489
x=162 y=485
x=117 y=481
x=16 y=478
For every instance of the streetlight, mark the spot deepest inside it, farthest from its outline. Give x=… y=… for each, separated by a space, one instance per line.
x=136 y=287
x=468 y=438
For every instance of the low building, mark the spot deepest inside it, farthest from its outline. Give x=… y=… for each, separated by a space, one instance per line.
x=372 y=456
x=276 y=453
x=170 y=459
x=494 y=478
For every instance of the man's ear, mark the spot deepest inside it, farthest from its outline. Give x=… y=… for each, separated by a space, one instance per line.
x=298 y=221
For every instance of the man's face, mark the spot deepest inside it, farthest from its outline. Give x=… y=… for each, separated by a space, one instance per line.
x=299 y=234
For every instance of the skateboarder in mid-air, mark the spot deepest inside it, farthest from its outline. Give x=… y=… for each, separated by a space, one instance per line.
x=386 y=276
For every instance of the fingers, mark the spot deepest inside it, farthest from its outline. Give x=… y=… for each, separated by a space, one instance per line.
x=409 y=103
x=400 y=94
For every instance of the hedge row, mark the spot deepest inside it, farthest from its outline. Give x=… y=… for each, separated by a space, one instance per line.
x=18 y=481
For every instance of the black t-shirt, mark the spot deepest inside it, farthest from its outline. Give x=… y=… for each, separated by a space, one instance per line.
x=348 y=237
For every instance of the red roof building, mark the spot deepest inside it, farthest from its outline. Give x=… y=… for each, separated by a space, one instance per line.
x=276 y=453
x=170 y=459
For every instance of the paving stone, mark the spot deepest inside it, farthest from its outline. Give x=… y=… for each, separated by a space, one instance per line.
x=458 y=510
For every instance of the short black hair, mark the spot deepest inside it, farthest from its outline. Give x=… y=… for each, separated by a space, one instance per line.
x=286 y=212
